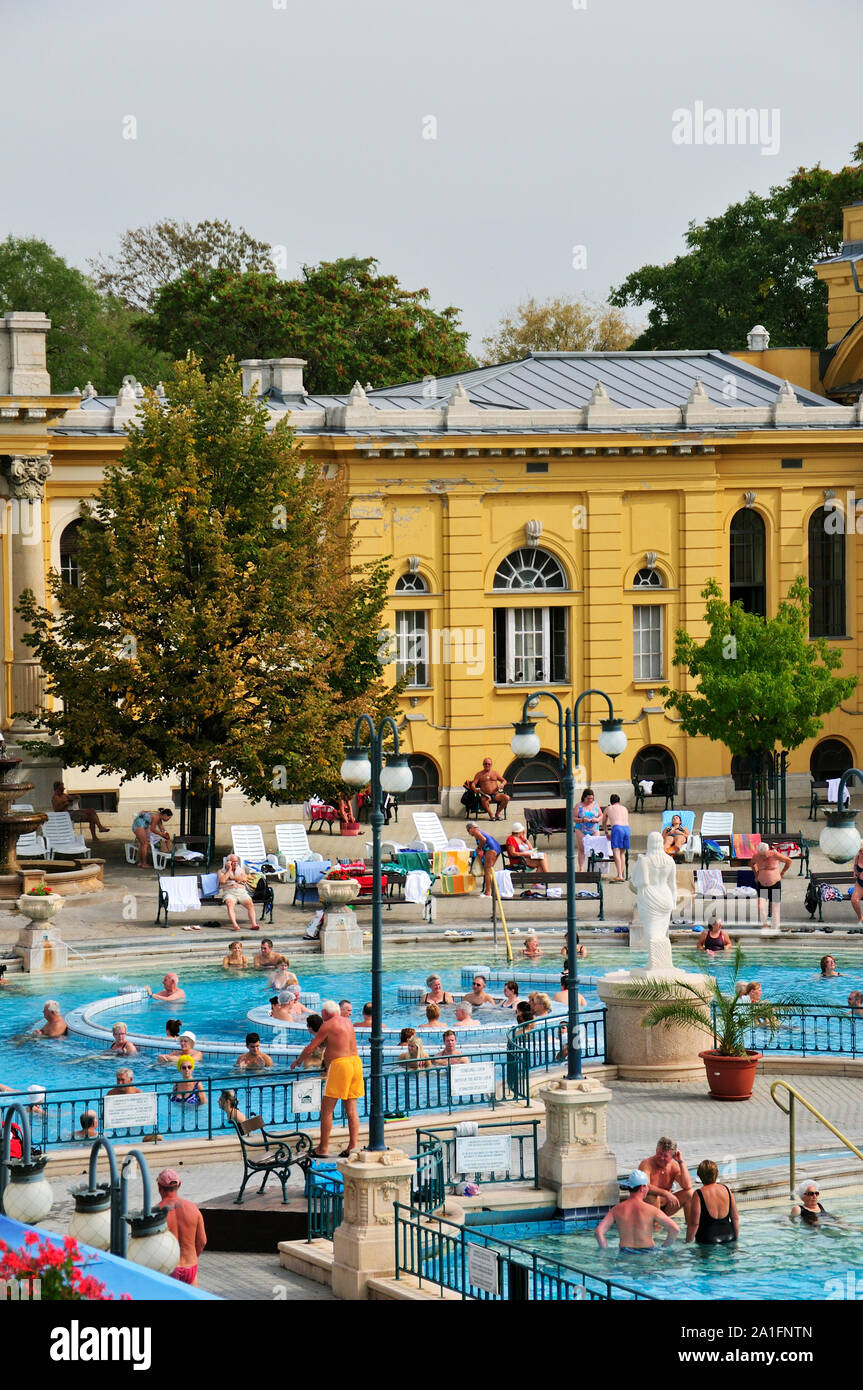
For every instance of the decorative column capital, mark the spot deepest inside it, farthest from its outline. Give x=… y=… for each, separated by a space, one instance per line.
x=26 y=475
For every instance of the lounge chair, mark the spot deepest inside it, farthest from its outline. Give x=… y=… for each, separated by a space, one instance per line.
x=292 y=844
x=249 y=847
x=687 y=820
x=430 y=831
x=60 y=837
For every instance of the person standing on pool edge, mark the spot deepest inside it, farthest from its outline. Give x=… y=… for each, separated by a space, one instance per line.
x=344 y=1075
x=488 y=849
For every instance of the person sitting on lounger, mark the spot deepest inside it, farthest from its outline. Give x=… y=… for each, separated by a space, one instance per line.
x=674 y=836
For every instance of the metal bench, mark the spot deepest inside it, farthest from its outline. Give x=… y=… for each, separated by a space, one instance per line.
x=528 y=878
x=837 y=878
x=664 y=787
x=263 y=898
x=545 y=820
x=271 y=1152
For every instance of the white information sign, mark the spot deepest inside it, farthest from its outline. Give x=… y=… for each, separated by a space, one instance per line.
x=482 y=1268
x=131 y=1111
x=307 y=1094
x=471 y=1078
x=491 y=1153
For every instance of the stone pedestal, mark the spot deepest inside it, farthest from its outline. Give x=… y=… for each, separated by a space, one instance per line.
x=39 y=948
x=575 y=1159
x=364 y=1244
x=649 y=1054
x=340 y=934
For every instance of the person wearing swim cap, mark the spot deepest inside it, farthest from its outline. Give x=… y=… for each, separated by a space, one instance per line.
x=635 y=1220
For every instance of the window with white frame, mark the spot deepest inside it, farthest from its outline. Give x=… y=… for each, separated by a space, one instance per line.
x=412 y=646
x=530 y=644
x=647 y=642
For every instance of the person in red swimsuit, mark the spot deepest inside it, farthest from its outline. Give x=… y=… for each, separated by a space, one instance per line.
x=185 y=1222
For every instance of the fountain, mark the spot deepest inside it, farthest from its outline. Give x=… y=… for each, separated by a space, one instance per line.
x=13 y=823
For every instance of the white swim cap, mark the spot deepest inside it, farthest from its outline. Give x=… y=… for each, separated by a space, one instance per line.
x=637 y=1179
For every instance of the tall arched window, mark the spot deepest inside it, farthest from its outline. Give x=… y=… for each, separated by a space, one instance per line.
x=69 y=572
x=530 y=644
x=653 y=762
x=830 y=758
x=827 y=574
x=748 y=561
x=425 y=788
x=531 y=779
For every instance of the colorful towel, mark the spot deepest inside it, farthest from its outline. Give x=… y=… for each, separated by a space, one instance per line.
x=455 y=861
x=452 y=885
x=710 y=884
x=744 y=846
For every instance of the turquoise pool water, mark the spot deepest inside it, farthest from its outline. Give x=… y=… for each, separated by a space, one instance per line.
x=775 y=1258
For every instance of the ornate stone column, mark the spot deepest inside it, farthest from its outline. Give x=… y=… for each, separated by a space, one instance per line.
x=26 y=475
x=364 y=1244
x=575 y=1159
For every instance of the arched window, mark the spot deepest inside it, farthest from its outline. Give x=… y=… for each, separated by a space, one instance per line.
x=69 y=572
x=747 y=561
x=648 y=579
x=653 y=762
x=425 y=789
x=534 y=779
x=830 y=758
x=741 y=772
x=827 y=574
x=411 y=584
x=529 y=568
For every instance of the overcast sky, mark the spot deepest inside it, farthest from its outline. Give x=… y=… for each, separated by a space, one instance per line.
x=304 y=121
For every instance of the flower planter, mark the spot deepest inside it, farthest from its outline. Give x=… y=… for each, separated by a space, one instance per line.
x=337 y=892
x=39 y=908
x=730 y=1078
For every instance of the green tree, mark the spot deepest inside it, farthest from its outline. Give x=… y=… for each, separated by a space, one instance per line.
x=151 y=257
x=752 y=264
x=218 y=629
x=349 y=323
x=762 y=682
x=91 y=338
x=558 y=324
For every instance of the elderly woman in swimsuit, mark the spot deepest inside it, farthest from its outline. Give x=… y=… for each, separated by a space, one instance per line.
x=436 y=992
x=188 y=1091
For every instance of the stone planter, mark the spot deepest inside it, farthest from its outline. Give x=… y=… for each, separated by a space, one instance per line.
x=39 y=909
x=336 y=892
x=648 y=1054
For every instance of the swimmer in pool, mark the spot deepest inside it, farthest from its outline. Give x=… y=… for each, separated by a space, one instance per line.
x=828 y=968
x=809 y=1209
x=635 y=1220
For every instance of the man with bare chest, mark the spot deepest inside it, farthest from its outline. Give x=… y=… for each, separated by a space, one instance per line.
x=185 y=1222
x=635 y=1220
x=663 y=1169
x=344 y=1071
x=489 y=785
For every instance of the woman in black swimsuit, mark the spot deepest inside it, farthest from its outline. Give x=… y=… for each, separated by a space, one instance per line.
x=436 y=994
x=809 y=1209
x=715 y=938
x=712 y=1211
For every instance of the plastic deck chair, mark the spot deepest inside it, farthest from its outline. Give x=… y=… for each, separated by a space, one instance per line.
x=430 y=830
x=249 y=847
x=687 y=820
x=60 y=836
x=292 y=844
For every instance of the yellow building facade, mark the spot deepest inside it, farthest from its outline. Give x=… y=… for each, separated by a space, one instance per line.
x=550 y=524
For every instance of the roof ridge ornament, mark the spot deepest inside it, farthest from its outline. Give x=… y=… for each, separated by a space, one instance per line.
x=459 y=409
x=787 y=409
x=699 y=408
x=601 y=409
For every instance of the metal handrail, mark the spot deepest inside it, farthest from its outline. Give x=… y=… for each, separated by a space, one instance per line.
x=795 y=1095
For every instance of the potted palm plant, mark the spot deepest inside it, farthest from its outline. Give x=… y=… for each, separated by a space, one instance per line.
x=730 y=1064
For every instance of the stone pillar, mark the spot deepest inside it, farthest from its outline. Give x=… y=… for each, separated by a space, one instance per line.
x=649 y=1054
x=340 y=934
x=26 y=475
x=364 y=1244
x=575 y=1159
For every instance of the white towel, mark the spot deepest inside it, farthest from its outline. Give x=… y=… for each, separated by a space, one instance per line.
x=646 y=787
x=188 y=855
x=417 y=885
x=183 y=895
x=597 y=844
x=833 y=790
x=504 y=883
x=209 y=885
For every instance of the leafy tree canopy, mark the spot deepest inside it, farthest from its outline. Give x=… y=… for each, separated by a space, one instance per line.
x=762 y=682
x=558 y=324
x=151 y=257
x=349 y=322
x=217 y=627
x=752 y=264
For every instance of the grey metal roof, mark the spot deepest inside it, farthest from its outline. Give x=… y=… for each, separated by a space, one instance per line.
x=565 y=380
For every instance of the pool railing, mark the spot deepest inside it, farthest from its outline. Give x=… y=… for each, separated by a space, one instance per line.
x=436 y=1251
x=545 y=1038
x=807 y=1029
x=523 y=1163
x=325 y=1193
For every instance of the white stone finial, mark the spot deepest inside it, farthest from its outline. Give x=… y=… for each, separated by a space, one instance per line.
x=161 y=394
x=126 y=394
x=599 y=395
x=758 y=339
x=786 y=394
x=358 y=395
x=89 y=391
x=698 y=395
x=458 y=395
x=76 y=390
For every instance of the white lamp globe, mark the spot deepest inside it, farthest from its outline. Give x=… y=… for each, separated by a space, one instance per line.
x=612 y=739
x=840 y=839
x=396 y=775
x=356 y=769
x=525 y=742
x=151 y=1244
x=28 y=1197
x=91 y=1219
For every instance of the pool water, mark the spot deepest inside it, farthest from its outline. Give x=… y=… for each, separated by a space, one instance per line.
x=775 y=1258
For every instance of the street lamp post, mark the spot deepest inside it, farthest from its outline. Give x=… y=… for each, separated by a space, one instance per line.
x=364 y=765
x=840 y=838
x=526 y=744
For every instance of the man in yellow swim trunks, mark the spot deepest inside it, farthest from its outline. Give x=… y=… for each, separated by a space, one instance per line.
x=344 y=1075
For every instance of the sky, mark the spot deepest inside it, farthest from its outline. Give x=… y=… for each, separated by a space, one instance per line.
x=488 y=150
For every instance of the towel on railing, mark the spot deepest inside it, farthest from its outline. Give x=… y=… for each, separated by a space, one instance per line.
x=456 y=861
x=417 y=885
x=183 y=895
x=504 y=883
x=833 y=790
x=744 y=846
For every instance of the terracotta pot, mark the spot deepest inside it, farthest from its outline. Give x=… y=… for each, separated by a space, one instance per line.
x=38 y=908
x=730 y=1078
x=338 y=891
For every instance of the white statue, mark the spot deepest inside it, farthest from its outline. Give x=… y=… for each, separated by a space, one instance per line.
x=654 y=882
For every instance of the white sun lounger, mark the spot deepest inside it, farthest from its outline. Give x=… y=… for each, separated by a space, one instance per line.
x=292 y=844
x=249 y=847
x=60 y=837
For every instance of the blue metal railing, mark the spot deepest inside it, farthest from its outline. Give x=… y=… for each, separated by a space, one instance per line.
x=545 y=1039
x=325 y=1204
x=435 y=1251
x=325 y=1192
x=524 y=1151
x=805 y=1030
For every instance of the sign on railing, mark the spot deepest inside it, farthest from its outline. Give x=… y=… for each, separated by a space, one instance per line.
x=483 y=1268
x=472 y=1078
x=126 y=1112
x=306 y=1095
x=483 y=1153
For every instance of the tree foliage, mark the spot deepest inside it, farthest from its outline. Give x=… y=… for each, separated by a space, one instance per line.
x=91 y=338
x=762 y=682
x=349 y=323
x=558 y=324
x=752 y=264
x=218 y=627
x=151 y=257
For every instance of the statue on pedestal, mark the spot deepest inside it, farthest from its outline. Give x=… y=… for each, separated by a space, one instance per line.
x=654 y=882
